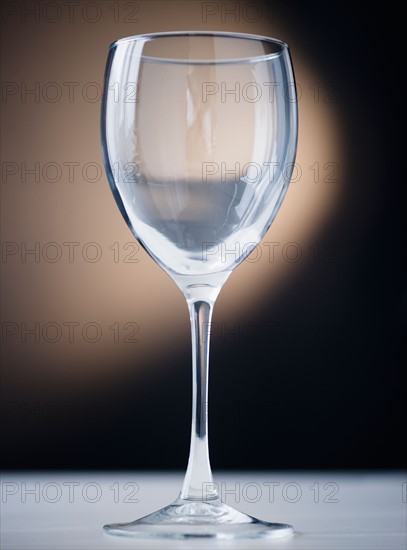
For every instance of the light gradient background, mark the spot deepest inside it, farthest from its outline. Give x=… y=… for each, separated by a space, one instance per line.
x=311 y=361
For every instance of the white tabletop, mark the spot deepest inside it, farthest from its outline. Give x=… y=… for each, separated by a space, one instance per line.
x=328 y=510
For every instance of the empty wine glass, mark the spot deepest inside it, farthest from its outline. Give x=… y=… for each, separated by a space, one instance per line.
x=199 y=134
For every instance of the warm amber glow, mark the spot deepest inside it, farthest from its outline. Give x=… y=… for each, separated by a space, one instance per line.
x=107 y=292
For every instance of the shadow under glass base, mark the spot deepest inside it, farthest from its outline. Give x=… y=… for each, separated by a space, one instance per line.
x=201 y=519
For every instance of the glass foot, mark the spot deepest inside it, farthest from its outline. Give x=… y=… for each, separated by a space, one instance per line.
x=202 y=519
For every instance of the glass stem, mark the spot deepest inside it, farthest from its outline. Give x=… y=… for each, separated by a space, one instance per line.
x=198 y=483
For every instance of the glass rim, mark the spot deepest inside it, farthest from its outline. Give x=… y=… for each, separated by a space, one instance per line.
x=227 y=61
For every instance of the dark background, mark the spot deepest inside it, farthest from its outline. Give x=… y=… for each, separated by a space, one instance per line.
x=323 y=389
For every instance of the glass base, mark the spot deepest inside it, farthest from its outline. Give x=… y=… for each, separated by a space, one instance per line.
x=185 y=519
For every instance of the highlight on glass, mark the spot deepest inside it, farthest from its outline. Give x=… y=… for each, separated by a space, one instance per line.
x=199 y=136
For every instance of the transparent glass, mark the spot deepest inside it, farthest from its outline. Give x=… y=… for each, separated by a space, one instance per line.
x=199 y=135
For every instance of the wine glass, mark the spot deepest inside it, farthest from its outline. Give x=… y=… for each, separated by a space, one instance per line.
x=199 y=135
